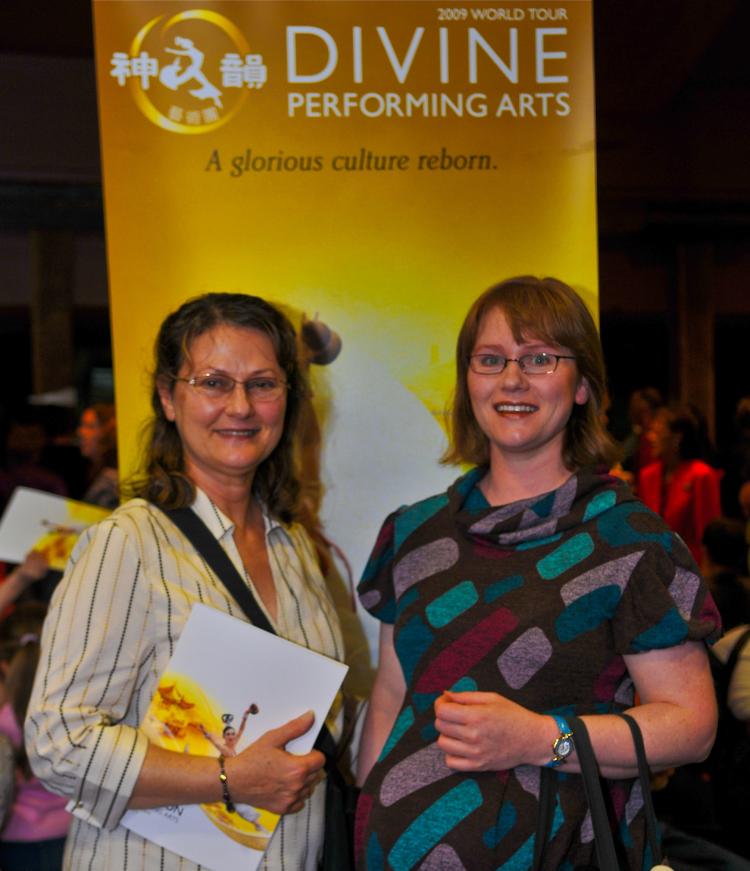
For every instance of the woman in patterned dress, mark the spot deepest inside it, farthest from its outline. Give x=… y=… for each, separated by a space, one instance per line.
x=535 y=588
x=226 y=396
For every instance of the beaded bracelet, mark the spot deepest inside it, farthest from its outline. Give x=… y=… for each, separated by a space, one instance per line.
x=227 y=798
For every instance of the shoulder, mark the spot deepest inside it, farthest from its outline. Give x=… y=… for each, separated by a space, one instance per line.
x=631 y=527
x=136 y=520
x=135 y=512
x=699 y=469
x=401 y=524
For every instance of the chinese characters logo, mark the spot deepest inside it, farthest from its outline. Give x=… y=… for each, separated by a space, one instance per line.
x=189 y=72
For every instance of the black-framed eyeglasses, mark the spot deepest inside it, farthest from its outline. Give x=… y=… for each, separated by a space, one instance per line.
x=212 y=385
x=541 y=363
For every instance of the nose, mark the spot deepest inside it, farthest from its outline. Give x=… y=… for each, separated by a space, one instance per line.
x=513 y=375
x=239 y=402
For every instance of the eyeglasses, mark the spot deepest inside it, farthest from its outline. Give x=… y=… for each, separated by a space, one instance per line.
x=530 y=364
x=264 y=388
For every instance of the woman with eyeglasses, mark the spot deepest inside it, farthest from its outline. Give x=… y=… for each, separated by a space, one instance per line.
x=226 y=395
x=537 y=587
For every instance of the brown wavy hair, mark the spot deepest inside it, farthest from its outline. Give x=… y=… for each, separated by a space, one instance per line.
x=550 y=310
x=162 y=479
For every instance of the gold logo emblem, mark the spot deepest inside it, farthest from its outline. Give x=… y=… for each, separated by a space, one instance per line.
x=190 y=72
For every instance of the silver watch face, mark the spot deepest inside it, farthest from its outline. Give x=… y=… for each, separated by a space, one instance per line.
x=563 y=747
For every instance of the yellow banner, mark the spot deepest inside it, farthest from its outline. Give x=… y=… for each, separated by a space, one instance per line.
x=377 y=164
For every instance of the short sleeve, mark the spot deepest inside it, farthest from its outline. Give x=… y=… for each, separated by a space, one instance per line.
x=376 y=594
x=665 y=601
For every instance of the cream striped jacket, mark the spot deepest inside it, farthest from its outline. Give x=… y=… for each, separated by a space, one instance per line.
x=112 y=625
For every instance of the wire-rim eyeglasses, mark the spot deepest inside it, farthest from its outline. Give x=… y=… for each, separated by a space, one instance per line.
x=541 y=363
x=212 y=385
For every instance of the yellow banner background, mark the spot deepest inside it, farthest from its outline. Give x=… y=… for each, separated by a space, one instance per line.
x=389 y=258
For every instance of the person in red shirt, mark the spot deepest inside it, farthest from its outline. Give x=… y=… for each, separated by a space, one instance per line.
x=680 y=485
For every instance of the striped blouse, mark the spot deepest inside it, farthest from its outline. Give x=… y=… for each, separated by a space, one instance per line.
x=111 y=629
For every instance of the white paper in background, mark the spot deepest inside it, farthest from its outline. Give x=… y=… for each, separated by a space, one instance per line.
x=234 y=665
x=49 y=523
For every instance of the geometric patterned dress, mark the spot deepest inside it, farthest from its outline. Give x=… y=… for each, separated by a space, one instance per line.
x=538 y=601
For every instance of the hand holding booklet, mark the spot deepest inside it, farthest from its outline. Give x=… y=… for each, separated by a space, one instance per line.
x=227 y=684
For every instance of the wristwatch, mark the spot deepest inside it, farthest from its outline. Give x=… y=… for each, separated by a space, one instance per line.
x=562 y=746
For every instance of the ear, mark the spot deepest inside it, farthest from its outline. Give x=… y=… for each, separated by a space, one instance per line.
x=583 y=392
x=164 y=389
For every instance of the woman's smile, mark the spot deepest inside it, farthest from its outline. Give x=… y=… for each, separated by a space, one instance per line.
x=515 y=408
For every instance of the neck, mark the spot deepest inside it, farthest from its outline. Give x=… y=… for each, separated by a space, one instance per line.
x=510 y=479
x=232 y=496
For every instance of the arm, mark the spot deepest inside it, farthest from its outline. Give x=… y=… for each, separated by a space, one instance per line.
x=385 y=702
x=214 y=739
x=33 y=568
x=263 y=775
x=487 y=732
x=243 y=722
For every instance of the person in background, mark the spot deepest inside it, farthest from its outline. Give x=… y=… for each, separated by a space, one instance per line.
x=744 y=501
x=696 y=801
x=25 y=444
x=637 y=448
x=37 y=823
x=97 y=440
x=724 y=567
x=679 y=485
x=34 y=568
x=535 y=588
x=226 y=393
x=735 y=461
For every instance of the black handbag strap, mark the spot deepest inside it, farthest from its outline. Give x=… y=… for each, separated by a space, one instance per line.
x=644 y=775
x=203 y=540
x=547 y=789
x=604 y=841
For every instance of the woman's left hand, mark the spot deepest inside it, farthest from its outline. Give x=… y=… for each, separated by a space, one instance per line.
x=487 y=732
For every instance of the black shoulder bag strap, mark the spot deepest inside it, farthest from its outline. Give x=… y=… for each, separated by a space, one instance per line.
x=200 y=536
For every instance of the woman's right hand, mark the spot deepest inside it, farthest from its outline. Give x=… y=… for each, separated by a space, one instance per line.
x=266 y=776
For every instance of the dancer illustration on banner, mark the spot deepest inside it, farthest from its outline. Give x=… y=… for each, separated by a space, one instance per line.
x=174 y=77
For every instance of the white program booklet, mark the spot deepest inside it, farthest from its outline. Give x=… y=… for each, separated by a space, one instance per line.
x=45 y=522
x=227 y=683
